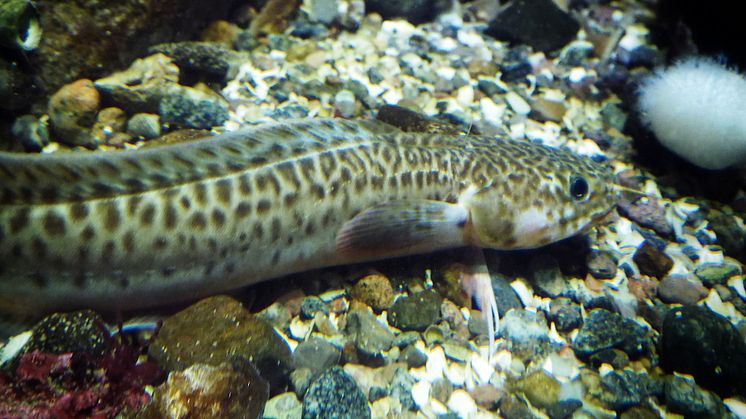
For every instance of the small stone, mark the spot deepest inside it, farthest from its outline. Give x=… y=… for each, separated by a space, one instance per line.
x=283 y=406
x=505 y=295
x=417 y=311
x=540 y=389
x=606 y=330
x=527 y=333
x=144 y=125
x=713 y=274
x=345 y=104
x=221 y=31
x=371 y=338
x=457 y=351
x=72 y=112
x=334 y=394
x=622 y=390
x=514 y=407
x=406 y=338
x=686 y=397
x=517 y=103
x=374 y=290
x=316 y=354
x=601 y=264
x=193 y=109
x=487 y=396
x=696 y=341
x=415 y=11
x=544 y=109
x=646 y=212
x=681 y=289
x=312 y=305
x=639 y=412
x=213 y=331
x=322 y=11
x=565 y=314
x=546 y=276
x=31 y=132
x=413 y=357
x=224 y=390
x=205 y=57
x=276 y=314
x=618 y=359
x=538 y=23
x=652 y=261
x=564 y=409
x=301 y=378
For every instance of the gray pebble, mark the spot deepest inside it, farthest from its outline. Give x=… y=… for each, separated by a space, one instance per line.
x=312 y=305
x=145 y=125
x=31 y=132
x=316 y=354
x=606 y=330
x=334 y=394
x=416 y=312
x=686 y=397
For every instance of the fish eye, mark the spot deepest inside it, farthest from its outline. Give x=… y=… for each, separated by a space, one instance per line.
x=579 y=188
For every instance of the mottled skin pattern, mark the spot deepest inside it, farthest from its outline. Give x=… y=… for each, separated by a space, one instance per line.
x=133 y=229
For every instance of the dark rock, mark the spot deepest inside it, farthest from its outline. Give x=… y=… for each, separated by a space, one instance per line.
x=374 y=290
x=214 y=331
x=614 y=357
x=80 y=332
x=601 y=264
x=290 y=112
x=301 y=378
x=202 y=57
x=415 y=11
x=371 y=338
x=226 y=390
x=413 y=357
x=334 y=394
x=641 y=56
x=312 y=305
x=316 y=354
x=546 y=276
x=681 y=289
x=405 y=339
x=505 y=295
x=401 y=389
x=696 y=341
x=622 y=390
x=564 y=409
x=606 y=330
x=686 y=397
x=31 y=132
x=526 y=333
x=538 y=23
x=514 y=407
x=651 y=260
x=639 y=412
x=729 y=234
x=565 y=314
x=417 y=311
x=646 y=212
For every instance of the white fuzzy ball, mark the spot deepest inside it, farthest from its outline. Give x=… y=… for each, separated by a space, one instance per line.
x=697 y=109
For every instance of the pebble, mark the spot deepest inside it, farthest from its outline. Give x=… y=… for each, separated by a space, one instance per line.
x=417 y=311
x=334 y=394
x=684 y=396
x=461 y=403
x=565 y=314
x=144 y=125
x=374 y=290
x=316 y=354
x=371 y=338
x=283 y=406
x=31 y=132
x=601 y=264
x=345 y=104
x=617 y=358
x=606 y=330
x=715 y=352
x=72 y=112
x=526 y=332
x=212 y=58
x=625 y=389
x=546 y=276
x=713 y=274
x=651 y=260
x=223 y=390
x=415 y=11
x=541 y=390
x=312 y=305
x=413 y=357
x=681 y=289
x=646 y=212
x=538 y=23
x=193 y=109
x=215 y=330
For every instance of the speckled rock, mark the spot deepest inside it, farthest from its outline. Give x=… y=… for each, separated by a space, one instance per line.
x=606 y=330
x=564 y=409
x=526 y=332
x=110 y=124
x=646 y=211
x=202 y=57
x=686 y=397
x=72 y=112
x=538 y=23
x=614 y=357
x=624 y=389
x=715 y=352
x=417 y=311
x=514 y=407
x=312 y=305
x=316 y=354
x=214 y=331
x=681 y=289
x=565 y=314
x=371 y=337
x=651 y=260
x=80 y=332
x=185 y=107
x=225 y=390
x=374 y=290
x=334 y=394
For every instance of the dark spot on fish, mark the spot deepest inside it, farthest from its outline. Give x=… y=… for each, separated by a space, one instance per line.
x=185 y=202
x=39 y=247
x=88 y=233
x=200 y=193
x=276 y=229
x=258 y=231
x=111 y=216
x=243 y=209
x=168 y=271
x=218 y=217
x=244 y=185
x=54 y=225
x=318 y=190
x=50 y=193
x=212 y=245
x=224 y=252
x=133 y=202
x=230 y=267
x=263 y=206
x=209 y=267
x=198 y=220
x=310 y=228
x=83 y=253
x=108 y=251
x=160 y=243
x=171 y=216
x=223 y=190
x=128 y=242
x=192 y=243
x=148 y=215
x=290 y=199
x=276 y=256
x=19 y=221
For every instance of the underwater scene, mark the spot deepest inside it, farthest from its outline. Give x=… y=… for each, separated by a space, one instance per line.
x=372 y=209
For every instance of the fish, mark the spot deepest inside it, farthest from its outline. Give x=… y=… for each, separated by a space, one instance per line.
x=125 y=230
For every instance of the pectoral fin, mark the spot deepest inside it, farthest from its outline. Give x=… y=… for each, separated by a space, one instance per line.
x=403 y=227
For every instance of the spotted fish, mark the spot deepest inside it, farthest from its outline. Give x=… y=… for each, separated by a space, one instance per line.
x=133 y=229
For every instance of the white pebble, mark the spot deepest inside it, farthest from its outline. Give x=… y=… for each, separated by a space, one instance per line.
x=421 y=393
x=299 y=329
x=465 y=95
x=517 y=103
x=344 y=103
x=436 y=364
x=456 y=374
x=491 y=111
x=14 y=345
x=462 y=404
x=482 y=368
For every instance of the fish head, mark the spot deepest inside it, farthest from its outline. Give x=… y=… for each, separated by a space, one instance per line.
x=531 y=205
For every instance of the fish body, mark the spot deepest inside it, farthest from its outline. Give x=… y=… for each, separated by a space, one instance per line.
x=133 y=229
